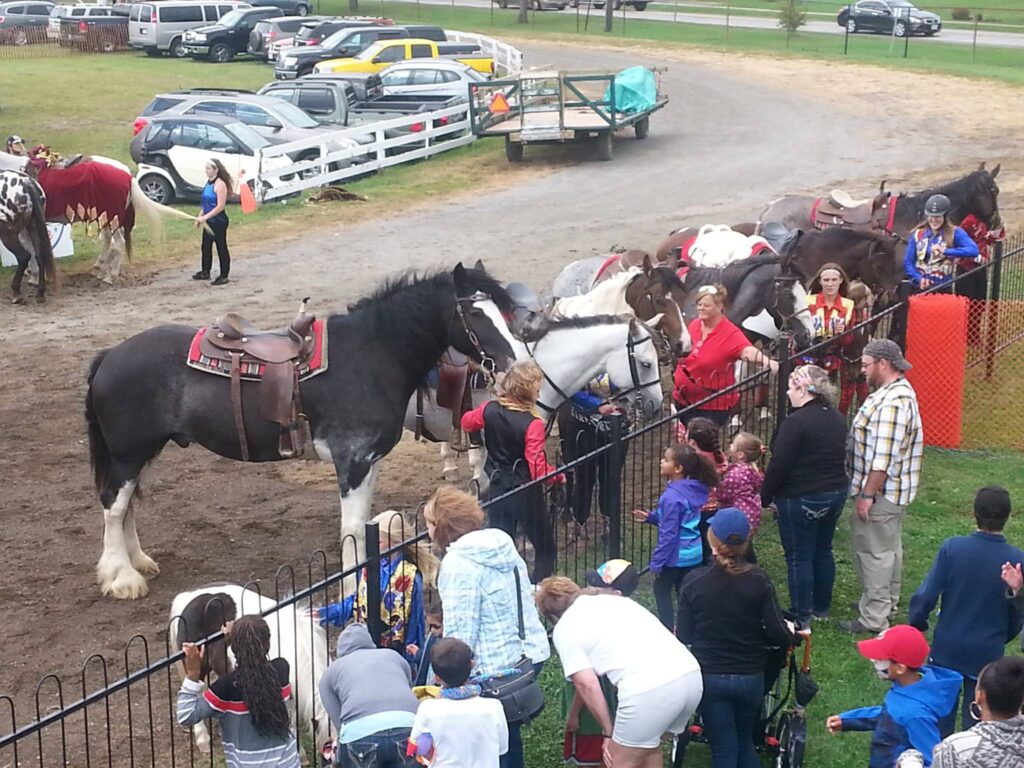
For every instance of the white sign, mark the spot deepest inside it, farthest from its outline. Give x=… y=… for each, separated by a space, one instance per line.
x=60 y=238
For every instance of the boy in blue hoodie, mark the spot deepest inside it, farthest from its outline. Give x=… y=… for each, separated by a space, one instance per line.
x=679 y=549
x=920 y=708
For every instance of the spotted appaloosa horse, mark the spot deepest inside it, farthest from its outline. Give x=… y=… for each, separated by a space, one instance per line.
x=23 y=230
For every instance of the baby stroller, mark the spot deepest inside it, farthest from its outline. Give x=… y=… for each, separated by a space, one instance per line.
x=783 y=725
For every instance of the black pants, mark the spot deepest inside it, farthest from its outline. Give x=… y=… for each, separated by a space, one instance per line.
x=581 y=435
x=527 y=507
x=666 y=593
x=219 y=225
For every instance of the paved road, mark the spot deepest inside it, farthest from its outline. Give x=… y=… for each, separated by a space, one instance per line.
x=963 y=36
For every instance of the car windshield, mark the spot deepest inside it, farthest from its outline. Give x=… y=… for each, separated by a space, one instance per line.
x=335 y=38
x=295 y=116
x=248 y=136
x=901 y=4
x=231 y=18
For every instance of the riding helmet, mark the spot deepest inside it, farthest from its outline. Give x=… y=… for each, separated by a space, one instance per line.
x=15 y=139
x=937 y=205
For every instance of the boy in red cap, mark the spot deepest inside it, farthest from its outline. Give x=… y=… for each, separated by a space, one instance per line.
x=918 y=711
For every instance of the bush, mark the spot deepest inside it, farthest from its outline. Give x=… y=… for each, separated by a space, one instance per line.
x=961 y=14
x=791 y=17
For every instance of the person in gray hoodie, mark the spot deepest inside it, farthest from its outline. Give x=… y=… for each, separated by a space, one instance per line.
x=367 y=692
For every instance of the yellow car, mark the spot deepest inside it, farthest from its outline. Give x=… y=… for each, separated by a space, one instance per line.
x=384 y=53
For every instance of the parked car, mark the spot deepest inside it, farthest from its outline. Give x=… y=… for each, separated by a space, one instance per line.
x=80 y=11
x=384 y=53
x=288 y=7
x=892 y=17
x=346 y=42
x=173 y=151
x=269 y=32
x=316 y=32
x=229 y=37
x=640 y=5
x=430 y=76
x=367 y=85
x=99 y=33
x=539 y=5
x=158 y=27
x=22 y=23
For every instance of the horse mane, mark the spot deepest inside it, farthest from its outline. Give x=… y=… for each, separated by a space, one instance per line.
x=737 y=271
x=392 y=286
x=543 y=328
x=956 y=190
x=667 y=278
x=841 y=237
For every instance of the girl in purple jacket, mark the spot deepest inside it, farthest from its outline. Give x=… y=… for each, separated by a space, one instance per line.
x=690 y=477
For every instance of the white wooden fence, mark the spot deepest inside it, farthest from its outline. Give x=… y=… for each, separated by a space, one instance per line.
x=430 y=133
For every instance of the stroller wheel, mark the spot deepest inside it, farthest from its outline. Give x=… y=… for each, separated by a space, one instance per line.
x=792 y=737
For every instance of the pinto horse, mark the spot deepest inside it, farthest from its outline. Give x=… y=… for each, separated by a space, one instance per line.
x=976 y=193
x=141 y=395
x=23 y=230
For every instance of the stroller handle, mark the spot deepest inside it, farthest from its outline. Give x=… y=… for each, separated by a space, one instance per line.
x=805 y=666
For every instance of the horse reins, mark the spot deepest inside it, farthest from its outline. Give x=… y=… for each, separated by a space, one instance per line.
x=487 y=364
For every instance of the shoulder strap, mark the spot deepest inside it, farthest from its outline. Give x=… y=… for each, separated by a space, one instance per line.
x=519 y=608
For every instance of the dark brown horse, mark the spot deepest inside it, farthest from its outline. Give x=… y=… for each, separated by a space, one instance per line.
x=869 y=257
x=976 y=193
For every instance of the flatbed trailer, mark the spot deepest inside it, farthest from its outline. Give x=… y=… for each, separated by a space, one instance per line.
x=547 y=106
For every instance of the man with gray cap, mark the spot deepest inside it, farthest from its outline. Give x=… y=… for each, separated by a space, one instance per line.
x=884 y=457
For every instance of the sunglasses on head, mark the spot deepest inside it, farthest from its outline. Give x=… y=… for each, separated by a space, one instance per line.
x=708 y=289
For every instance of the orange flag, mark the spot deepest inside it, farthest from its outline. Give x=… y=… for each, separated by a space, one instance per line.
x=245 y=195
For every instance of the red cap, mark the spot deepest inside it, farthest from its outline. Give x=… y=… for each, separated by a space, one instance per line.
x=903 y=644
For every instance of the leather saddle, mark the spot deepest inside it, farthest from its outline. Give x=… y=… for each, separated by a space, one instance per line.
x=779 y=236
x=278 y=354
x=840 y=209
x=456 y=380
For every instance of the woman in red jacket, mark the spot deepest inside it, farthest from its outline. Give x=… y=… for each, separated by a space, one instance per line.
x=514 y=438
x=717 y=346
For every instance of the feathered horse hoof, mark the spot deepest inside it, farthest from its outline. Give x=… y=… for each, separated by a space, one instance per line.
x=19 y=299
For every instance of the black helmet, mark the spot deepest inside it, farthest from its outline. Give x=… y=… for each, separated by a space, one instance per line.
x=15 y=139
x=937 y=205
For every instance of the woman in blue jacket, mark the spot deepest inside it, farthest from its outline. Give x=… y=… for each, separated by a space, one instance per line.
x=679 y=549
x=936 y=248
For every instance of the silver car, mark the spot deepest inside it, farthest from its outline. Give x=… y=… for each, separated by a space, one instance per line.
x=430 y=76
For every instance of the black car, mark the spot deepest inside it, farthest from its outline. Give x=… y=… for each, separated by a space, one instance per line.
x=891 y=17
x=290 y=7
x=300 y=60
x=314 y=33
x=222 y=41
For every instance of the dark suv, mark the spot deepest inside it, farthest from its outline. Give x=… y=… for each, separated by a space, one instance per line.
x=314 y=33
x=222 y=41
x=300 y=60
x=269 y=31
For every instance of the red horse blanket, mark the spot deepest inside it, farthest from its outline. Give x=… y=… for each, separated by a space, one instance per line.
x=90 y=192
x=222 y=366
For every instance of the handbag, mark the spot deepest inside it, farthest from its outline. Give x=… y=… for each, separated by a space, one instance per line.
x=517 y=688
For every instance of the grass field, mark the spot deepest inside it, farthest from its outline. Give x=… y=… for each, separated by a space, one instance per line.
x=846 y=680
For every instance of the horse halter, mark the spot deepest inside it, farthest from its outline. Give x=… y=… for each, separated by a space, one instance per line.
x=776 y=304
x=665 y=344
x=487 y=363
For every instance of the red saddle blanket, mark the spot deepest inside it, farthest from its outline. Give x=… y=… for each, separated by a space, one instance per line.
x=221 y=366
x=90 y=192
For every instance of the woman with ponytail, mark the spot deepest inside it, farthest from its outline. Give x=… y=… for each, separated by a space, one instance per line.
x=729 y=617
x=254 y=693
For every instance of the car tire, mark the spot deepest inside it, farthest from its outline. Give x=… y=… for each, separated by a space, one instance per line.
x=221 y=53
x=302 y=10
x=603 y=148
x=503 y=3
x=642 y=128
x=538 y=5
x=851 y=26
x=177 y=49
x=900 y=30
x=513 y=150
x=574 y=3
x=154 y=53
x=157 y=189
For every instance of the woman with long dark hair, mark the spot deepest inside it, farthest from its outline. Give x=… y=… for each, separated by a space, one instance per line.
x=254 y=694
x=936 y=247
x=213 y=218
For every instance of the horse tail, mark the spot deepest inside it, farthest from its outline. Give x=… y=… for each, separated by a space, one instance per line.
x=128 y=243
x=152 y=211
x=99 y=451
x=44 y=252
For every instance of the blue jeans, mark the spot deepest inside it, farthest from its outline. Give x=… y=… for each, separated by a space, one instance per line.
x=807 y=525
x=514 y=757
x=731 y=708
x=384 y=749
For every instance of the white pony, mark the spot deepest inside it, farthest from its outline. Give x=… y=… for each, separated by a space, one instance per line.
x=718 y=246
x=294 y=636
x=571 y=353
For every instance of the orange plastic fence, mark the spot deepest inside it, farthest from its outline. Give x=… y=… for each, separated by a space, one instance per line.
x=937 y=348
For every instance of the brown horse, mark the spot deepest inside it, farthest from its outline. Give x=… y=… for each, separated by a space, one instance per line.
x=976 y=193
x=870 y=257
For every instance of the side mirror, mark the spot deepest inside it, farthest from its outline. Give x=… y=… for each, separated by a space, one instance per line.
x=378 y=60
x=274 y=125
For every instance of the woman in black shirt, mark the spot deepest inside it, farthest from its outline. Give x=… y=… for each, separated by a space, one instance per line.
x=729 y=617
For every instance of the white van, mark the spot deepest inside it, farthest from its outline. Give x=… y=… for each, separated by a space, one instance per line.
x=158 y=27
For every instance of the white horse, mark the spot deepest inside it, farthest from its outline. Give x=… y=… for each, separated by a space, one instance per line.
x=606 y=298
x=294 y=636
x=571 y=353
x=718 y=246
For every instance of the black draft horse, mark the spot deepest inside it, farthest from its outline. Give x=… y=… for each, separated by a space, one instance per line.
x=142 y=395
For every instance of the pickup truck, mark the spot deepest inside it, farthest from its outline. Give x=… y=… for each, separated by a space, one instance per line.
x=229 y=37
x=102 y=34
x=384 y=53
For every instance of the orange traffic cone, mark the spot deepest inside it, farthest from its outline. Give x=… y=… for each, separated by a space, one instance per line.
x=245 y=195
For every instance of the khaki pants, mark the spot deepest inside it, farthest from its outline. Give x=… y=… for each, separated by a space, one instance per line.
x=878 y=556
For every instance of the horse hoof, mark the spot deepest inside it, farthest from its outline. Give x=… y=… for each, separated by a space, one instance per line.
x=40 y=299
x=127 y=585
x=145 y=565
x=18 y=300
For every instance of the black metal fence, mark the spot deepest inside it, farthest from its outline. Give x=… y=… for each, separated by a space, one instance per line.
x=121 y=712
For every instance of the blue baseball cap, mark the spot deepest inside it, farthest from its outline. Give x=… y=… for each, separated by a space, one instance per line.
x=730 y=526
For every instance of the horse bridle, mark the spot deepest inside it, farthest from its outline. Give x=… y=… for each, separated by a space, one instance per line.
x=665 y=344
x=786 y=318
x=487 y=363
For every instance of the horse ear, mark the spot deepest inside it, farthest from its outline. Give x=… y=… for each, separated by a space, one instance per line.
x=459 y=276
x=480 y=265
x=982 y=166
x=995 y=171
x=647 y=264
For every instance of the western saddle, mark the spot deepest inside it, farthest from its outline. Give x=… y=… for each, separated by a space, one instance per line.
x=279 y=354
x=840 y=209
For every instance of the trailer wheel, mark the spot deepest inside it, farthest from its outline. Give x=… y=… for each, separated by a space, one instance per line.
x=603 y=145
x=642 y=128
x=513 y=151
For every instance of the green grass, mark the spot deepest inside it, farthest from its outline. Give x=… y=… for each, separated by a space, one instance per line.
x=845 y=679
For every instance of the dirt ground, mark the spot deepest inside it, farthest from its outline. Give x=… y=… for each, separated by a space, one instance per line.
x=740 y=130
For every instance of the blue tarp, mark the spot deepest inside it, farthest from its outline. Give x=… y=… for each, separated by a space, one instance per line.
x=635 y=90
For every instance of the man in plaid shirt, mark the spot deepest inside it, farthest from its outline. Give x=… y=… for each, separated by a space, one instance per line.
x=884 y=457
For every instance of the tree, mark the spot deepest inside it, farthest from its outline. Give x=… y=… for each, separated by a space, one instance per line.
x=524 y=12
x=791 y=18
x=353 y=5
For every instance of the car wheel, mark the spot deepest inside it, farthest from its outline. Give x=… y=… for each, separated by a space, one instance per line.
x=154 y=53
x=177 y=50
x=537 y=6
x=20 y=37
x=900 y=29
x=503 y=3
x=302 y=10
x=574 y=3
x=640 y=6
x=851 y=26
x=157 y=189
x=221 y=53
